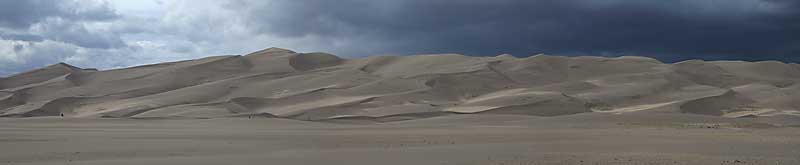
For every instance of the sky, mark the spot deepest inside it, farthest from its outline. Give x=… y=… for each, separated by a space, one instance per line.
x=109 y=34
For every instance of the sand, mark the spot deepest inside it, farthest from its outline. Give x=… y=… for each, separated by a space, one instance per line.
x=320 y=86
x=592 y=138
x=277 y=106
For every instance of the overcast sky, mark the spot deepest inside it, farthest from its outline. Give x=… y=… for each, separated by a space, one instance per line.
x=121 y=33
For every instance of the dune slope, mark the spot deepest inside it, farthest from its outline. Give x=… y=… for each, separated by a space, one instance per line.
x=318 y=86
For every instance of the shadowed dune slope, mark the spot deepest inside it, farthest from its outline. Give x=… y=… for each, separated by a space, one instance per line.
x=318 y=86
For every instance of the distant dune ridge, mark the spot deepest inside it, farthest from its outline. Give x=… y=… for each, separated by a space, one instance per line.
x=318 y=86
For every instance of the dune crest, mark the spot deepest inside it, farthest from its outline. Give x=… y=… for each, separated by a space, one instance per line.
x=282 y=83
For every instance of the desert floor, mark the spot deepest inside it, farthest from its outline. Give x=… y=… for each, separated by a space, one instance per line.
x=591 y=138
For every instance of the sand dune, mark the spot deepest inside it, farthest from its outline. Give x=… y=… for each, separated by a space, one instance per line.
x=277 y=106
x=319 y=86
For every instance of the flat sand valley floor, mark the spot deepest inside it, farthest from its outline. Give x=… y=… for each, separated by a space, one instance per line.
x=592 y=138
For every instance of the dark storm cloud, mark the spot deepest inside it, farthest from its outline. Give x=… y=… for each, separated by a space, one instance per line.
x=670 y=30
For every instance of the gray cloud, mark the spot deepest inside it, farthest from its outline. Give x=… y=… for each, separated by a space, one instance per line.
x=36 y=33
x=64 y=21
x=23 y=14
x=18 y=48
x=78 y=34
x=20 y=37
x=93 y=33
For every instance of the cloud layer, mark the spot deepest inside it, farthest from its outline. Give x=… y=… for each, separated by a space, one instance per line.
x=109 y=34
x=672 y=30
